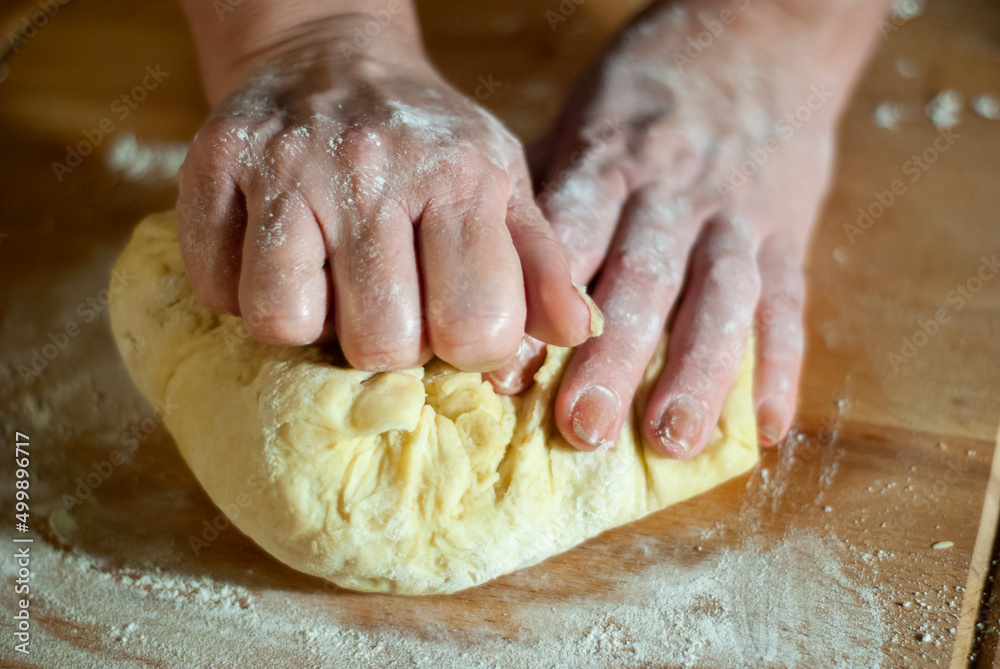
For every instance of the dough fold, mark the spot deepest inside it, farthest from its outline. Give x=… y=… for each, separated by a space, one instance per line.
x=416 y=482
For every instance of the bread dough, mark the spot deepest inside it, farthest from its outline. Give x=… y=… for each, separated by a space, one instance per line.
x=421 y=481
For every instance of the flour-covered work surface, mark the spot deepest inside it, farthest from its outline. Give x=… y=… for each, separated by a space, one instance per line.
x=850 y=546
x=807 y=559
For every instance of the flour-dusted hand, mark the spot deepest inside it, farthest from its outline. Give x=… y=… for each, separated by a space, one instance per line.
x=351 y=181
x=685 y=173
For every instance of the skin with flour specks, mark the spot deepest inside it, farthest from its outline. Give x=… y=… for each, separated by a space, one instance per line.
x=357 y=194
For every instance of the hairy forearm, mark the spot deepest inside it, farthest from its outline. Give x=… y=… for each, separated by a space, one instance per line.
x=232 y=36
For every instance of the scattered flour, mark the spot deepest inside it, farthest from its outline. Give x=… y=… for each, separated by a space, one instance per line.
x=944 y=110
x=779 y=606
x=147 y=162
x=986 y=106
x=738 y=608
x=907 y=9
x=889 y=114
x=116 y=584
x=161 y=584
x=435 y=125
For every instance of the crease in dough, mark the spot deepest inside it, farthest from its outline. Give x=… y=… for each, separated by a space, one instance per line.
x=416 y=482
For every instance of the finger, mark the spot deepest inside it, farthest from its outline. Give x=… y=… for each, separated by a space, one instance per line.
x=211 y=215
x=515 y=375
x=328 y=335
x=707 y=343
x=377 y=289
x=636 y=289
x=283 y=286
x=780 y=339
x=473 y=287
x=582 y=202
x=557 y=312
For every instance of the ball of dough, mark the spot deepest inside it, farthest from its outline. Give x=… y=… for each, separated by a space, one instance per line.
x=421 y=481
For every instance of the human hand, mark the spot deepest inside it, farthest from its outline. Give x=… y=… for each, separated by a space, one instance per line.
x=691 y=185
x=364 y=184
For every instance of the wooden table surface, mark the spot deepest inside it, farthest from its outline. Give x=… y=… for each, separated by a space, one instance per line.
x=893 y=444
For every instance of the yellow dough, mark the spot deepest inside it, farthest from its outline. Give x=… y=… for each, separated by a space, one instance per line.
x=417 y=482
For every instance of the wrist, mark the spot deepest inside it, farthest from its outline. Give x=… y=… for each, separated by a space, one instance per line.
x=814 y=44
x=255 y=36
x=828 y=41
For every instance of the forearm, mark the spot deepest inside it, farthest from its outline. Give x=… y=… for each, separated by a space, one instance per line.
x=839 y=34
x=822 y=43
x=233 y=35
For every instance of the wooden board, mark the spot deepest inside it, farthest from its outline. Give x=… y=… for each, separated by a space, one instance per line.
x=888 y=459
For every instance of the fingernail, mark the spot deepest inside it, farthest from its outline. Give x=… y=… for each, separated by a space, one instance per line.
x=596 y=317
x=769 y=420
x=593 y=416
x=682 y=422
x=517 y=373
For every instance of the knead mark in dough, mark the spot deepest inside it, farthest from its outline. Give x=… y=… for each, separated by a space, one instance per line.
x=421 y=481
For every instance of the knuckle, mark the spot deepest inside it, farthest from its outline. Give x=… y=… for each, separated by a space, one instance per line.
x=480 y=337
x=644 y=269
x=465 y=157
x=528 y=229
x=202 y=202
x=359 y=145
x=470 y=200
x=208 y=156
x=284 y=153
x=267 y=321
x=296 y=266
x=206 y=179
x=217 y=146
x=375 y=351
x=223 y=132
x=512 y=148
x=733 y=269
